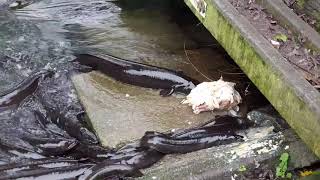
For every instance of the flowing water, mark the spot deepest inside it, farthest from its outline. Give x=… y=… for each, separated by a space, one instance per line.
x=46 y=34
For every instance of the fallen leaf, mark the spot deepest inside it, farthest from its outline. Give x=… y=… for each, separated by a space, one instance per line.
x=280 y=37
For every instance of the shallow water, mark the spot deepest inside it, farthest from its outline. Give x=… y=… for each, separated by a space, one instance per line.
x=46 y=34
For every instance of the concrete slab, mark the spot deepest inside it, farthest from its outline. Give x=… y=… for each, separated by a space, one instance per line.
x=120 y=113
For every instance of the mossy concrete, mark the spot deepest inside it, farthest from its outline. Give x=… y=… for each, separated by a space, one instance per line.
x=294 y=98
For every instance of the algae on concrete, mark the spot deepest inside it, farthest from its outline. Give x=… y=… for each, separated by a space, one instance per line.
x=294 y=98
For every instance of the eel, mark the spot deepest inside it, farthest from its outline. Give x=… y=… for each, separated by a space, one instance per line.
x=59 y=172
x=219 y=125
x=94 y=153
x=52 y=146
x=139 y=74
x=169 y=145
x=107 y=171
x=136 y=156
x=38 y=162
x=70 y=123
x=13 y=97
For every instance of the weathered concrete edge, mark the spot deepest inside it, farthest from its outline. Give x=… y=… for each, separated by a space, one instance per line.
x=288 y=18
x=295 y=99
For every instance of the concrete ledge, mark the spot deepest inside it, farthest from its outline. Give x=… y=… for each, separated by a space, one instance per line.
x=294 y=98
x=288 y=18
x=219 y=162
x=311 y=8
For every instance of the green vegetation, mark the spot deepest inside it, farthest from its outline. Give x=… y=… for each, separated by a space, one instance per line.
x=242 y=168
x=281 y=37
x=300 y=3
x=281 y=169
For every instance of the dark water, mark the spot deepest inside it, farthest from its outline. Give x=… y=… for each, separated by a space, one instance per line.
x=32 y=40
x=45 y=35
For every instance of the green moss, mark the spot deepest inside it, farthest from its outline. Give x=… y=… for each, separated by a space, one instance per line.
x=300 y=3
x=270 y=82
x=281 y=170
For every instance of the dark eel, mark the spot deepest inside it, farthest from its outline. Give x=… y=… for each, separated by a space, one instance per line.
x=106 y=170
x=70 y=123
x=139 y=74
x=216 y=132
x=38 y=163
x=169 y=145
x=44 y=172
x=52 y=146
x=94 y=153
x=219 y=125
x=13 y=97
x=102 y=163
x=136 y=156
x=22 y=131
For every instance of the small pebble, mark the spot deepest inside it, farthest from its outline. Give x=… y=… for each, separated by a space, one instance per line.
x=127 y=95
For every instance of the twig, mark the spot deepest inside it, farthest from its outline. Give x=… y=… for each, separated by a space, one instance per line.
x=229 y=72
x=246 y=91
x=184 y=48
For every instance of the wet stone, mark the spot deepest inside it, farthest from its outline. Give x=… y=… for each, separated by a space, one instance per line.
x=222 y=162
x=120 y=113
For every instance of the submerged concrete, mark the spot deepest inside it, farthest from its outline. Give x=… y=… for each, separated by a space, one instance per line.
x=294 y=98
x=120 y=113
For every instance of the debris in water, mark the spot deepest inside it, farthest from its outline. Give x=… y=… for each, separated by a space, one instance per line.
x=216 y=95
